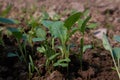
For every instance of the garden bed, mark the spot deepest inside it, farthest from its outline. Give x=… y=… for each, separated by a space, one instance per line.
x=25 y=35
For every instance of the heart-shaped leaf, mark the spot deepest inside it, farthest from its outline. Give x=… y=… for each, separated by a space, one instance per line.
x=58 y=30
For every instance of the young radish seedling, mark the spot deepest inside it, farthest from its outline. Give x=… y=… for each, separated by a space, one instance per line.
x=62 y=31
x=115 y=53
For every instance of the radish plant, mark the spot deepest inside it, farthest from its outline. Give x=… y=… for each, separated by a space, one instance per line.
x=63 y=31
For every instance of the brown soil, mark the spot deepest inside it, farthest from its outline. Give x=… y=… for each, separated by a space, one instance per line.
x=97 y=62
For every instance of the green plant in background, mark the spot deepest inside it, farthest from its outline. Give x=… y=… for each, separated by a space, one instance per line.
x=7 y=21
x=33 y=24
x=15 y=32
x=5 y=12
x=18 y=35
x=115 y=52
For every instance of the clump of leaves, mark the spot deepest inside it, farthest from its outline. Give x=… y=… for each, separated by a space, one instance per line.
x=63 y=31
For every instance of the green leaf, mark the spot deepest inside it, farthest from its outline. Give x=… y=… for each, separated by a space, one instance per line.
x=116 y=52
x=83 y=27
x=86 y=47
x=24 y=37
x=47 y=23
x=13 y=29
x=58 y=30
x=92 y=25
x=80 y=22
x=56 y=17
x=45 y=15
x=6 y=11
x=62 y=62
x=7 y=21
x=117 y=38
x=31 y=63
x=16 y=32
x=72 y=20
x=41 y=49
x=53 y=56
x=106 y=44
x=113 y=68
x=37 y=39
x=10 y=54
x=40 y=33
x=33 y=22
x=18 y=35
x=86 y=12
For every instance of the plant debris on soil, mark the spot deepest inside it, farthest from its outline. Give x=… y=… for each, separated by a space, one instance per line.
x=97 y=62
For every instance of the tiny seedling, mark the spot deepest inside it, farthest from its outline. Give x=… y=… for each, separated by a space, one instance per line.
x=82 y=30
x=32 y=67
